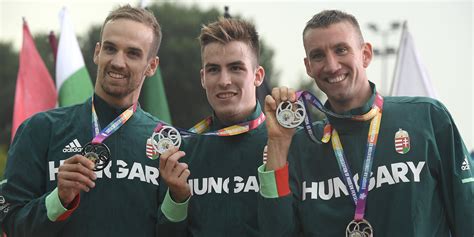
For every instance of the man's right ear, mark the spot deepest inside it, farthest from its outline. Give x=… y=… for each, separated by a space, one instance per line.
x=202 y=78
x=306 y=64
x=96 y=53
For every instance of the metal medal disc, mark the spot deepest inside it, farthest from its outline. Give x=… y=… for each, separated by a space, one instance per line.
x=290 y=115
x=360 y=228
x=166 y=138
x=98 y=153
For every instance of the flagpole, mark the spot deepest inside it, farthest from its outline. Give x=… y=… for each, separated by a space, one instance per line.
x=53 y=42
x=397 y=61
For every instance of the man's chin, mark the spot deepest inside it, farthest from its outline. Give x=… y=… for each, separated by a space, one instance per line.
x=117 y=93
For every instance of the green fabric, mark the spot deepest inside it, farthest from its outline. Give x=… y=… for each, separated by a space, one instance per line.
x=154 y=97
x=76 y=89
x=174 y=211
x=54 y=208
x=419 y=193
x=126 y=197
x=224 y=184
x=268 y=186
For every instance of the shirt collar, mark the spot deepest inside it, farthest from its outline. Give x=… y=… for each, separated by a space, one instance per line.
x=356 y=111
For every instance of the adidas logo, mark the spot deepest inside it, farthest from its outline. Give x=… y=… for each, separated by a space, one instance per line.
x=465 y=165
x=73 y=146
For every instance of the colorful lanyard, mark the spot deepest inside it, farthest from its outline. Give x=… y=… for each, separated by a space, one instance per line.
x=307 y=97
x=360 y=199
x=203 y=126
x=113 y=126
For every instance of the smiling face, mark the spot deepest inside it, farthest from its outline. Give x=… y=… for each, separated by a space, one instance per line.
x=123 y=61
x=230 y=76
x=337 y=59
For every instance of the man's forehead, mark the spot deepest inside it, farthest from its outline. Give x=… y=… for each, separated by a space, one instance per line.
x=129 y=33
x=232 y=52
x=128 y=27
x=334 y=34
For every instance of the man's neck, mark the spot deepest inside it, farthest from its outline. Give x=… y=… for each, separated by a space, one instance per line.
x=359 y=101
x=118 y=103
x=233 y=119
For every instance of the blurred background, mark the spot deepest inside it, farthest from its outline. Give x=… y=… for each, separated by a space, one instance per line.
x=442 y=34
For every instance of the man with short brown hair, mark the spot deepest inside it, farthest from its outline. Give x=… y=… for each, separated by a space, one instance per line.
x=221 y=167
x=82 y=170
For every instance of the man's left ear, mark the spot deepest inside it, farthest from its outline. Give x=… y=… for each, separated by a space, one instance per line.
x=152 y=66
x=367 y=54
x=259 y=76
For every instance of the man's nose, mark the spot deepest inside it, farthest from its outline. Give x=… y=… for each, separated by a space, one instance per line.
x=225 y=78
x=118 y=60
x=332 y=64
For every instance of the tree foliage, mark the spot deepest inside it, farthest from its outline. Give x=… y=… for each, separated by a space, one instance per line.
x=8 y=73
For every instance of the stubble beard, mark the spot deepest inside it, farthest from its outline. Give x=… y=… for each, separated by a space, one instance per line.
x=118 y=92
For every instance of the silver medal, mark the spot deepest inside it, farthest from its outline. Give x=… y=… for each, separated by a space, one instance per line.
x=360 y=228
x=290 y=115
x=166 y=138
x=98 y=153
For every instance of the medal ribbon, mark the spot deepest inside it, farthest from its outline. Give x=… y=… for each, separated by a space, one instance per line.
x=202 y=127
x=307 y=97
x=360 y=198
x=113 y=126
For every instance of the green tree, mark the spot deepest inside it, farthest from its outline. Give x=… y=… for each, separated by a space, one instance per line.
x=46 y=53
x=8 y=73
x=87 y=44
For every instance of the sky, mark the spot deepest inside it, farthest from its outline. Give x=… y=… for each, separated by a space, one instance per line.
x=442 y=31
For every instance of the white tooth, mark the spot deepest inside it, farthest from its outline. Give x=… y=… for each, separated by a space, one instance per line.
x=336 y=79
x=225 y=95
x=116 y=75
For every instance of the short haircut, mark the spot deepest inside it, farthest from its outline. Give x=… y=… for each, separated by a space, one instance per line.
x=226 y=30
x=139 y=15
x=328 y=17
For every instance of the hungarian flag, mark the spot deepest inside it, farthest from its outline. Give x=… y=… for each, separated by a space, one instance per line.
x=35 y=90
x=72 y=79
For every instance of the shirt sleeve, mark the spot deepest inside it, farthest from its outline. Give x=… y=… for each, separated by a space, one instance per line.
x=274 y=183
x=175 y=212
x=172 y=216
x=23 y=193
x=456 y=175
x=276 y=205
